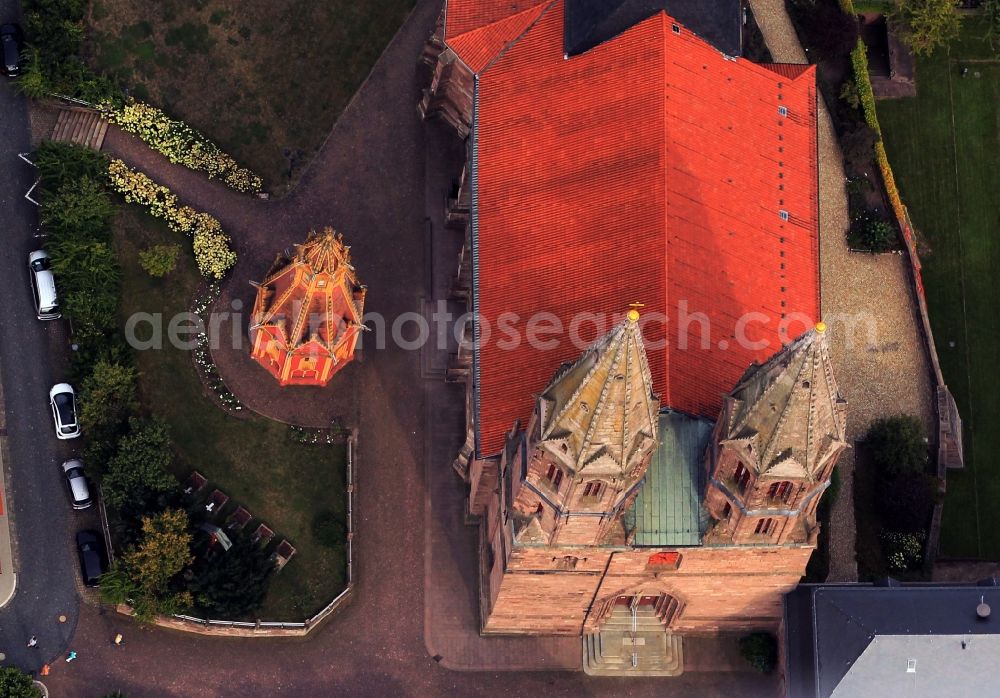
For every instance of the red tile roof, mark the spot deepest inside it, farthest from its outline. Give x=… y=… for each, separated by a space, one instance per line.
x=466 y=15
x=649 y=169
x=479 y=46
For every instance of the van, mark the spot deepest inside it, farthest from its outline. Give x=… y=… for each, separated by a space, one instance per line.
x=43 y=286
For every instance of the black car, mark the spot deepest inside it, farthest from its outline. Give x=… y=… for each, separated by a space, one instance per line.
x=93 y=561
x=13 y=45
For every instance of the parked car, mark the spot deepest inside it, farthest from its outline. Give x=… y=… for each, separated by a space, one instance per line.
x=76 y=480
x=13 y=46
x=93 y=560
x=62 y=398
x=43 y=286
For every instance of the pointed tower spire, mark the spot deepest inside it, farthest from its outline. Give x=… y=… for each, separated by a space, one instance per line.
x=599 y=415
x=776 y=443
x=590 y=442
x=789 y=409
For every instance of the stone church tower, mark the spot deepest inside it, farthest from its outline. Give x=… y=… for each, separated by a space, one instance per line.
x=774 y=447
x=590 y=440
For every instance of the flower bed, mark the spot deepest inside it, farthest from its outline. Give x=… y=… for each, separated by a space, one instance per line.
x=211 y=244
x=180 y=143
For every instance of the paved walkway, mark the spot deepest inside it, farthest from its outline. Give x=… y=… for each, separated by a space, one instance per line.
x=878 y=352
x=381 y=178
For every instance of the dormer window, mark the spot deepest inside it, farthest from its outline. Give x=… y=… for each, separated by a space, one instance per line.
x=594 y=489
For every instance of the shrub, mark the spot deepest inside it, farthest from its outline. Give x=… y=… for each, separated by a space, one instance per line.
x=54 y=31
x=903 y=551
x=80 y=208
x=90 y=279
x=858 y=145
x=761 y=651
x=234 y=584
x=60 y=162
x=849 y=93
x=906 y=503
x=897 y=446
x=212 y=252
x=181 y=143
x=328 y=529
x=159 y=260
x=14 y=683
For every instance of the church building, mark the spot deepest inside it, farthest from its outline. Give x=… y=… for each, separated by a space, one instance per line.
x=651 y=467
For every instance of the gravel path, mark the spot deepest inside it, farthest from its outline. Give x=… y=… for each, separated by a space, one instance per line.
x=878 y=351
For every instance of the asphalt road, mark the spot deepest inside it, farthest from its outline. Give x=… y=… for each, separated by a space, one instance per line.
x=32 y=358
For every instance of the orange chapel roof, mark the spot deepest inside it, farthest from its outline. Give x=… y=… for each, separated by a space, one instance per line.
x=650 y=168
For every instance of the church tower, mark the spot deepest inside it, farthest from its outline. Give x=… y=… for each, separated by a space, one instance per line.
x=589 y=442
x=774 y=447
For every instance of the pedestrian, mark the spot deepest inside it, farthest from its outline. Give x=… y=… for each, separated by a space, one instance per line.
x=71 y=657
x=45 y=670
x=119 y=640
x=33 y=641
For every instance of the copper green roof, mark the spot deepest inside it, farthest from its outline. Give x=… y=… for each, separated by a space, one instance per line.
x=668 y=509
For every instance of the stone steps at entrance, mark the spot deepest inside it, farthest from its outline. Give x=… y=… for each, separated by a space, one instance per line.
x=610 y=651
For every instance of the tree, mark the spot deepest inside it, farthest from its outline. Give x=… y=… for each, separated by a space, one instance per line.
x=143 y=575
x=137 y=475
x=90 y=279
x=14 y=683
x=926 y=24
x=760 y=650
x=991 y=11
x=107 y=396
x=234 y=583
x=81 y=208
x=159 y=260
x=897 y=446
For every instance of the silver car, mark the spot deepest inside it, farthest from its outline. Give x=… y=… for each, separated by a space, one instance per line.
x=76 y=480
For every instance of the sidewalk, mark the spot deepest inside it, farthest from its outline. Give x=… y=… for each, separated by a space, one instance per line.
x=887 y=373
x=8 y=575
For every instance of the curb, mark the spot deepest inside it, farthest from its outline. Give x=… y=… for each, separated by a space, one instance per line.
x=8 y=573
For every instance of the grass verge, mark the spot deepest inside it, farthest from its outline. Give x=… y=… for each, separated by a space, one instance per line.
x=297 y=489
x=264 y=80
x=944 y=146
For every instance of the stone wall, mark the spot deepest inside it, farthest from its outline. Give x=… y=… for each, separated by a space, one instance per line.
x=562 y=590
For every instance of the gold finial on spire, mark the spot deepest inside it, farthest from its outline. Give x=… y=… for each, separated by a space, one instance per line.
x=820 y=327
x=633 y=314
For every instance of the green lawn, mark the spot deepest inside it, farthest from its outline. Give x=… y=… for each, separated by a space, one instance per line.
x=265 y=80
x=944 y=147
x=284 y=483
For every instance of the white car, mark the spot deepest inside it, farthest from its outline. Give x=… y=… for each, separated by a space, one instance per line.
x=62 y=398
x=43 y=286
